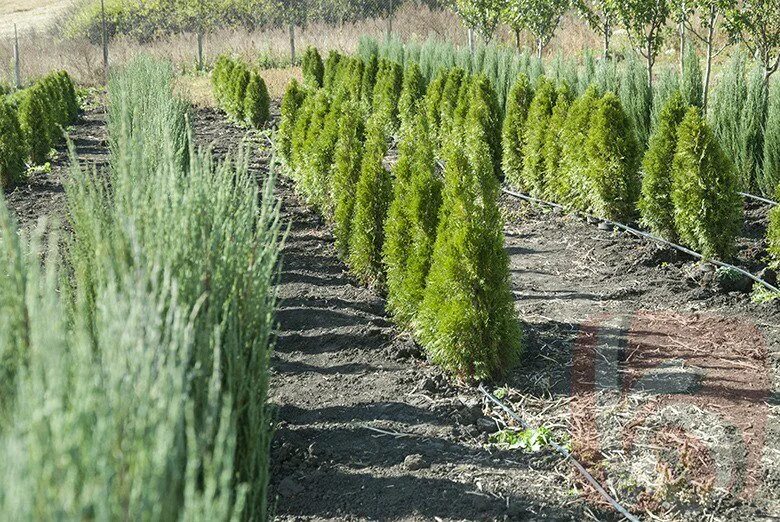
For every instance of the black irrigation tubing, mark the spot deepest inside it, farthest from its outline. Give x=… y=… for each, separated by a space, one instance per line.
x=759 y=198
x=566 y=454
x=651 y=237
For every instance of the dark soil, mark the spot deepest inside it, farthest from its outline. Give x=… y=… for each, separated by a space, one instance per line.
x=652 y=370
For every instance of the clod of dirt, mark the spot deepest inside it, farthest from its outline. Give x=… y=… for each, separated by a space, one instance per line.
x=471 y=411
x=289 y=487
x=486 y=425
x=415 y=462
x=428 y=384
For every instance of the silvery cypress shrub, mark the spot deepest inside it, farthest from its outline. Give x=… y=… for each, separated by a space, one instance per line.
x=705 y=190
x=291 y=103
x=691 y=82
x=655 y=204
x=726 y=112
x=612 y=154
x=372 y=199
x=636 y=98
x=569 y=186
x=553 y=140
x=257 y=103
x=770 y=173
x=412 y=94
x=12 y=146
x=664 y=87
x=513 y=132
x=346 y=172
x=749 y=157
x=467 y=322
x=313 y=69
x=539 y=113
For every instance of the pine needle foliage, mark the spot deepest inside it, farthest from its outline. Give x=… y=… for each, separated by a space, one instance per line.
x=346 y=173
x=467 y=320
x=637 y=99
x=12 y=146
x=533 y=177
x=613 y=162
x=513 y=132
x=313 y=68
x=705 y=190
x=482 y=104
x=372 y=199
x=655 y=204
x=257 y=102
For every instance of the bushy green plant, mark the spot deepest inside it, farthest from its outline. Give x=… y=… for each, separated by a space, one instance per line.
x=346 y=173
x=71 y=98
x=539 y=114
x=480 y=101
x=691 y=82
x=707 y=205
x=467 y=321
x=331 y=69
x=35 y=124
x=655 y=203
x=369 y=80
x=257 y=103
x=239 y=80
x=433 y=105
x=553 y=140
x=513 y=132
x=569 y=185
x=613 y=162
x=313 y=68
x=412 y=94
x=664 y=87
x=300 y=131
x=291 y=103
x=449 y=102
x=636 y=98
x=12 y=146
x=770 y=174
x=311 y=181
x=372 y=199
x=387 y=91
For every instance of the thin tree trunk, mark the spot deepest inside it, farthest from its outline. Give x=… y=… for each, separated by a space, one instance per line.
x=650 y=63
x=200 y=49
x=471 y=41
x=517 y=38
x=292 y=44
x=708 y=68
x=539 y=48
x=607 y=29
x=390 y=21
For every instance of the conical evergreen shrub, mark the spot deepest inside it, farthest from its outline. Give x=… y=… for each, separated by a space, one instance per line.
x=71 y=98
x=705 y=190
x=539 y=114
x=291 y=103
x=369 y=80
x=313 y=69
x=613 y=162
x=513 y=132
x=482 y=104
x=412 y=94
x=346 y=172
x=387 y=91
x=373 y=193
x=12 y=146
x=34 y=123
x=433 y=97
x=449 y=102
x=655 y=203
x=301 y=129
x=320 y=157
x=691 y=83
x=331 y=69
x=569 y=186
x=467 y=321
x=553 y=141
x=310 y=178
x=239 y=82
x=257 y=103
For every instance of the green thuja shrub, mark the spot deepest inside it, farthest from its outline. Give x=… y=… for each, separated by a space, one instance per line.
x=553 y=141
x=433 y=104
x=513 y=132
x=291 y=102
x=613 y=162
x=412 y=94
x=71 y=98
x=636 y=98
x=310 y=164
x=313 y=68
x=449 y=102
x=482 y=104
x=423 y=201
x=238 y=83
x=369 y=80
x=320 y=159
x=569 y=186
x=372 y=198
x=467 y=321
x=655 y=203
x=346 y=172
x=12 y=146
x=299 y=134
x=331 y=69
x=34 y=122
x=257 y=103
x=707 y=205
x=539 y=114
x=387 y=91
x=770 y=175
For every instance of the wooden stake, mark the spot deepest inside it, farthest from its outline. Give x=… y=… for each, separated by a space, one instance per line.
x=292 y=44
x=104 y=37
x=17 y=66
x=200 y=49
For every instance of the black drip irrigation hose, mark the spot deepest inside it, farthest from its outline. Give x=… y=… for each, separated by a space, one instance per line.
x=566 y=454
x=651 y=237
x=759 y=198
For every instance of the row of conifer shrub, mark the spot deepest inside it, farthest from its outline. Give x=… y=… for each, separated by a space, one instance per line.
x=241 y=91
x=582 y=152
x=32 y=121
x=432 y=240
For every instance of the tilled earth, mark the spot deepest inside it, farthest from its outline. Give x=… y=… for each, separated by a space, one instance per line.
x=664 y=381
